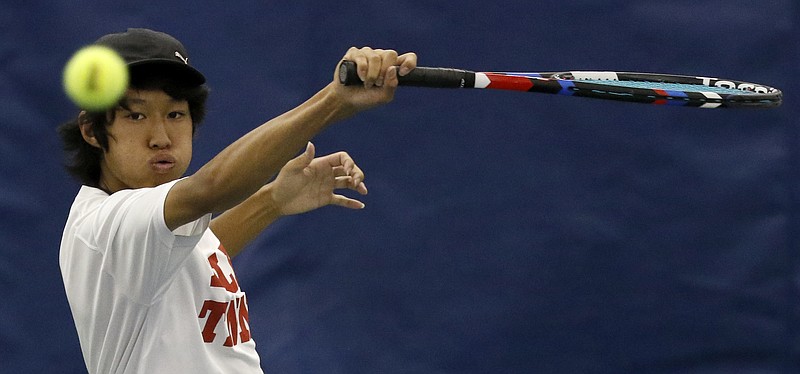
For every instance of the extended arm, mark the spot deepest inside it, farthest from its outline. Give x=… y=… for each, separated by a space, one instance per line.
x=247 y=164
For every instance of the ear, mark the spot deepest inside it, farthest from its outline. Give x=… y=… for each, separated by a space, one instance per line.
x=87 y=130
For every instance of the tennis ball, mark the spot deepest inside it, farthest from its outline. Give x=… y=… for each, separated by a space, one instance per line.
x=95 y=78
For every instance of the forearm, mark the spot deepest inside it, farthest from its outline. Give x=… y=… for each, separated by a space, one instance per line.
x=240 y=225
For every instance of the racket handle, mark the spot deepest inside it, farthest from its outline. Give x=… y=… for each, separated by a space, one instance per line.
x=419 y=77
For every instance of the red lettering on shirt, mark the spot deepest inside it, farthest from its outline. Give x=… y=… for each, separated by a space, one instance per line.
x=233 y=325
x=244 y=320
x=232 y=314
x=214 y=310
x=219 y=279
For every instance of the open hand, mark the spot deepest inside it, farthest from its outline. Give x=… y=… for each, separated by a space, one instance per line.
x=306 y=183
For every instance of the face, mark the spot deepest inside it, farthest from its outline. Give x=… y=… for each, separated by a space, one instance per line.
x=149 y=143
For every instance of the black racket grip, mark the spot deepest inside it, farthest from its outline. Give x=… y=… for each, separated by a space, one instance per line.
x=419 y=77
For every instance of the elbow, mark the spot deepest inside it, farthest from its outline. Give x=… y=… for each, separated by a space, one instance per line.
x=211 y=193
x=202 y=193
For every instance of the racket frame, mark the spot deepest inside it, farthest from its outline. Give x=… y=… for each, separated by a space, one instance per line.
x=590 y=84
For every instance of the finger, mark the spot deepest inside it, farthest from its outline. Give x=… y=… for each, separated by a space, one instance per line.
x=338 y=171
x=373 y=69
x=357 y=175
x=340 y=159
x=311 y=150
x=362 y=188
x=388 y=61
x=347 y=182
x=407 y=62
x=304 y=159
x=391 y=77
x=347 y=202
x=342 y=182
x=357 y=55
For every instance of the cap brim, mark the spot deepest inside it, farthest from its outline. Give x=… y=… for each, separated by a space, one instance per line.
x=183 y=72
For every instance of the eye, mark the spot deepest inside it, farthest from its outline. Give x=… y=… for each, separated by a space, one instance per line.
x=135 y=116
x=176 y=115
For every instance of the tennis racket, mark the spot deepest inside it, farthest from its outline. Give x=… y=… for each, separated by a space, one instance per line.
x=648 y=88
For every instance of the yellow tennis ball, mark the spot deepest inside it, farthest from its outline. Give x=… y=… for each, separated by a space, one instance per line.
x=95 y=78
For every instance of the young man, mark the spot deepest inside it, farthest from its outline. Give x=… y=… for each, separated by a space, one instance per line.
x=146 y=269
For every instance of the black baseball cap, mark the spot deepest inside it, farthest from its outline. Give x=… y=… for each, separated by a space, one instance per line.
x=144 y=48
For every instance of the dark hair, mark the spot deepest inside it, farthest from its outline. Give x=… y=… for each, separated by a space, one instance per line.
x=83 y=159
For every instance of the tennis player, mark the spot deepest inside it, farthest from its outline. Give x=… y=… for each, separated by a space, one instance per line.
x=146 y=268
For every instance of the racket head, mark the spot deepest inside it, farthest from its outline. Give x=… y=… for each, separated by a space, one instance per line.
x=651 y=88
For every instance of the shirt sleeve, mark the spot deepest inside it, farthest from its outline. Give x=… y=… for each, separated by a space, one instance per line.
x=139 y=251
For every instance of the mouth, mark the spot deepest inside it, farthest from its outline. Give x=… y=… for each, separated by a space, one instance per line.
x=162 y=163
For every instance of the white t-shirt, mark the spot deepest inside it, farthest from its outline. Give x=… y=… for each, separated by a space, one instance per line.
x=149 y=300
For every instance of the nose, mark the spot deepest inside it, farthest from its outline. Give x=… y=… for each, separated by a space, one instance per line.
x=159 y=137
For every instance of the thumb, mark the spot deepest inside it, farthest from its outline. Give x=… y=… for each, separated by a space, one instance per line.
x=303 y=160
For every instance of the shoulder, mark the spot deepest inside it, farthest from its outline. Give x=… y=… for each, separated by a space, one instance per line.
x=99 y=215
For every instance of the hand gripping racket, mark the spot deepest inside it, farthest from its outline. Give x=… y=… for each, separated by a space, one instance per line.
x=648 y=88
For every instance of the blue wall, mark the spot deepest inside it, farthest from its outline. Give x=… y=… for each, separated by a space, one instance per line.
x=504 y=232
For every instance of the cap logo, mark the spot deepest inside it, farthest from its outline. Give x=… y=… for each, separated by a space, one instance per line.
x=185 y=60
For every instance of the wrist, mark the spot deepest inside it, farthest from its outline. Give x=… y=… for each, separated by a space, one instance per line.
x=337 y=99
x=269 y=202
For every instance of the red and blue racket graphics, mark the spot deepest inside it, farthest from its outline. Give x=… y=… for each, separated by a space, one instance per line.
x=648 y=88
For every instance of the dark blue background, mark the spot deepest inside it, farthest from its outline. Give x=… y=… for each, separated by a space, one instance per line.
x=504 y=232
